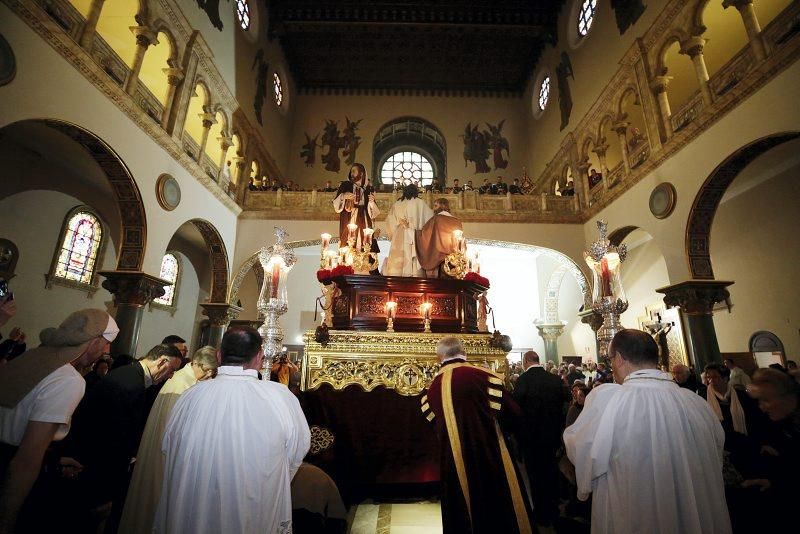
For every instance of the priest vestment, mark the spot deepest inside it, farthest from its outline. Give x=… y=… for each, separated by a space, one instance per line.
x=650 y=453
x=402 y=260
x=482 y=491
x=435 y=241
x=232 y=446
x=148 y=472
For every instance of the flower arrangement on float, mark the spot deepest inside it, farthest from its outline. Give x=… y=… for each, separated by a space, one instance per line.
x=472 y=276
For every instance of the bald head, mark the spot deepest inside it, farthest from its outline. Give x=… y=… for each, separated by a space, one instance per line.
x=530 y=358
x=449 y=347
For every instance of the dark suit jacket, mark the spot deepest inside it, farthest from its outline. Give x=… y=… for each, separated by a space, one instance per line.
x=541 y=397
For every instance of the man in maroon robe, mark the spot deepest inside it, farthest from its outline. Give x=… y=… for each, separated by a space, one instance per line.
x=355 y=203
x=482 y=491
x=435 y=240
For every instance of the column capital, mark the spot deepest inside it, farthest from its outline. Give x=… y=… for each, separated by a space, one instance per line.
x=174 y=75
x=659 y=84
x=208 y=119
x=621 y=127
x=601 y=147
x=693 y=46
x=550 y=332
x=144 y=36
x=738 y=4
x=583 y=165
x=225 y=142
x=220 y=313
x=696 y=297
x=592 y=318
x=133 y=287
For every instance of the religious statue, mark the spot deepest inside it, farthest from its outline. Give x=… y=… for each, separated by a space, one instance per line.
x=261 y=83
x=564 y=71
x=405 y=218
x=659 y=331
x=351 y=141
x=355 y=203
x=437 y=239
x=334 y=142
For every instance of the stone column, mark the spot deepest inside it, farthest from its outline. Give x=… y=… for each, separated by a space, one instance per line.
x=601 y=150
x=595 y=321
x=696 y=298
x=219 y=314
x=550 y=334
x=621 y=128
x=208 y=120
x=225 y=143
x=242 y=164
x=174 y=77
x=144 y=38
x=581 y=182
x=693 y=47
x=90 y=26
x=659 y=87
x=132 y=291
x=751 y=25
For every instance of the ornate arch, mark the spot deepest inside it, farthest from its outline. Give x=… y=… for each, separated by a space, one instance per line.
x=618 y=236
x=408 y=132
x=630 y=89
x=551 y=297
x=676 y=36
x=133 y=238
x=562 y=259
x=219 y=259
x=175 y=52
x=706 y=202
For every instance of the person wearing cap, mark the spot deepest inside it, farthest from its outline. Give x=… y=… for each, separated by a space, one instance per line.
x=39 y=391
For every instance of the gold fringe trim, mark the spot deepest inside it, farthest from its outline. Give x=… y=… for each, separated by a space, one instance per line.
x=523 y=522
x=452 y=432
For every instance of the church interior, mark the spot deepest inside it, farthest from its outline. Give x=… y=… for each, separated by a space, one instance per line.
x=155 y=152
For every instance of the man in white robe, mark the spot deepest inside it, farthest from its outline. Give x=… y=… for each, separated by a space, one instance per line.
x=232 y=446
x=649 y=451
x=406 y=216
x=148 y=473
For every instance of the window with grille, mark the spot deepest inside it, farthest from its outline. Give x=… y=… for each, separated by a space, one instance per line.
x=243 y=13
x=586 y=16
x=406 y=168
x=544 y=93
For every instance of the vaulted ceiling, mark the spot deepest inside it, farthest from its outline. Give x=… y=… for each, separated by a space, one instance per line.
x=433 y=45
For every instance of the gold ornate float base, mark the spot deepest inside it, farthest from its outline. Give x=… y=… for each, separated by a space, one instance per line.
x=403 y=361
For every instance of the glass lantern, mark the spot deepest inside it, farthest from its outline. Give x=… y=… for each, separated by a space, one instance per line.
x=607 y=278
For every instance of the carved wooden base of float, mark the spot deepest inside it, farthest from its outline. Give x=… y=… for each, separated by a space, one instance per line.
x=403 y=361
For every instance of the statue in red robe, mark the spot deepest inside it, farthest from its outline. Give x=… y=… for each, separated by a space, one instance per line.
x=482 y=491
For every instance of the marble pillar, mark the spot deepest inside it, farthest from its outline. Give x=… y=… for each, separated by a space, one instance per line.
x=696 y=298
x=132 y=291
x=219 y=314
x=550 y=333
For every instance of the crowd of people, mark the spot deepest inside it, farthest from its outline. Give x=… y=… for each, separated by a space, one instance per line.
x=499 y=187
x=168 y=442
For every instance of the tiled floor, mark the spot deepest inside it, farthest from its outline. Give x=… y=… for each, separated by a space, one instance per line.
x=413 y=518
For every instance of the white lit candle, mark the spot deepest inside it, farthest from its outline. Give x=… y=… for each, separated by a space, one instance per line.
x=351 y=233
x=458 y=235
x=368 y=235
x=391 y=308
x=326 y=240
x=426 y=310
x=330 y=259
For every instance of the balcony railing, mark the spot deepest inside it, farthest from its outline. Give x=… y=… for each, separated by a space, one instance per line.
x=687 y=113
x=469 y=206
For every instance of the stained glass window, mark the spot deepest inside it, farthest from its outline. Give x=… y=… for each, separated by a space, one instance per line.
x=544 y=93
x=277 y=88
x=169 y=272
x=407 y=168
x=243 y=13
x=586 y=16
x=79 y=247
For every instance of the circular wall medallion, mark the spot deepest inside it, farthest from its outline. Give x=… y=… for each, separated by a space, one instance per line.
x=662 y=200
x=8 y=64
x=168 y=192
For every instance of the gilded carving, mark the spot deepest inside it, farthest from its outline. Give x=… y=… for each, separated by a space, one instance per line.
x=443 y=306
x=371 y=305
x=408 y=304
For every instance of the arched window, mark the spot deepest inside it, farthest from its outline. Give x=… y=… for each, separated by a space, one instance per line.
x=544 y=93
x=79 y=247
x=405 y=168
x=586 y=16
x=170 y=271
x=277 y=89
x=243 y=14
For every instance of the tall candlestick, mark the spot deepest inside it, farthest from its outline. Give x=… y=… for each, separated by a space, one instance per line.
x=426 y=315
x=326 y=240
x=330 y=259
